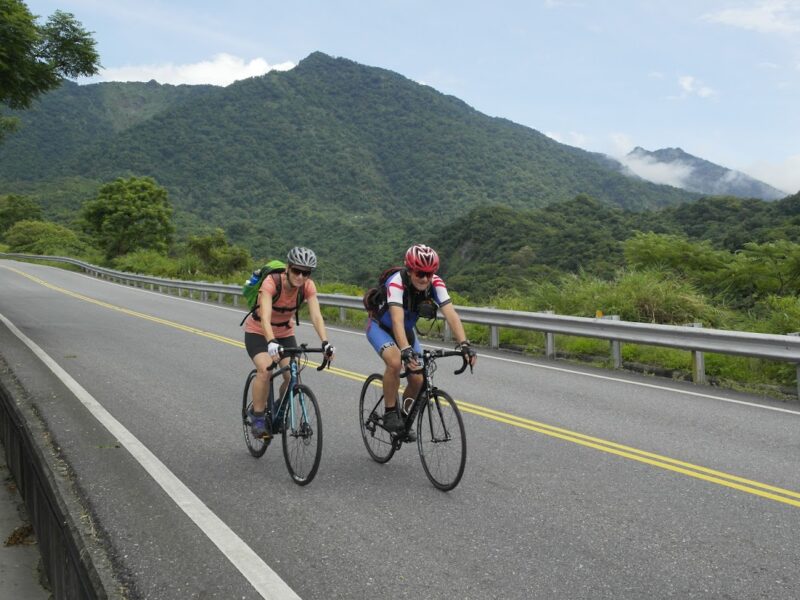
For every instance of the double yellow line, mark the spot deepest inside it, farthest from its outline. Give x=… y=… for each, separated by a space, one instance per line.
x=741 y=484
x=656 y=460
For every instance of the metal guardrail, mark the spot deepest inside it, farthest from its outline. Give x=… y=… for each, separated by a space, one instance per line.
x=692 y=338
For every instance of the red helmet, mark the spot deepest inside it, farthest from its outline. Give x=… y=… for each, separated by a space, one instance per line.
x=422 y=258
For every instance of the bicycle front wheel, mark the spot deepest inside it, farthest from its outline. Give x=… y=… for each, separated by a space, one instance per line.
x=302 y=436
x=441 y=441
x=255 y=445
x=370 y=409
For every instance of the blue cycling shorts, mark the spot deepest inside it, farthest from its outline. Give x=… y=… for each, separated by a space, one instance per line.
x=382 y=339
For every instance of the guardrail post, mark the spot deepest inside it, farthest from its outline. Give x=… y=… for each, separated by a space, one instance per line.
x=698 y=362
x=447 y=335
x=616 y=346
x=550 y=341
x=342 y=314
x=494 y=336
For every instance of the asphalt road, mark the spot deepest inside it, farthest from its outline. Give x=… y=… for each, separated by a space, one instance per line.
x=580 y=483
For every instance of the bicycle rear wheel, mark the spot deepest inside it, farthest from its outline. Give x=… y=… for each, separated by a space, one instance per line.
x=302 y=436
x=370 y=409
x=441 y=441
x=256 y=446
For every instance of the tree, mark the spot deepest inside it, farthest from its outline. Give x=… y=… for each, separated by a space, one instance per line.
x=35 y=59
x=128 y=215
x=15 y=208
x=218 y=256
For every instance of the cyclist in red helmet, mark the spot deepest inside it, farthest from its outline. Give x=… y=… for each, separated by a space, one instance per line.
x=411 y=292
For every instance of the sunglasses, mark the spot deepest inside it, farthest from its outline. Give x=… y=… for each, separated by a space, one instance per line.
x=424 y=274
x=299 y=272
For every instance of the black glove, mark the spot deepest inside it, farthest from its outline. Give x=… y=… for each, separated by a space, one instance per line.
x=408 y=355
x=466 y=349
x=327 y=349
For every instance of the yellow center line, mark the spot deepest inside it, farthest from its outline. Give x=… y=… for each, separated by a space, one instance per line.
x=763 y=490
x=698 y=472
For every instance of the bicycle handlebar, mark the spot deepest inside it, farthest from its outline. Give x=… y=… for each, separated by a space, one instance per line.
x=303 y=349
x=442 y=354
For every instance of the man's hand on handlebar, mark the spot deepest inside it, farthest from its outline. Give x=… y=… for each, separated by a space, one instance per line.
x=468 y=353
x=410 y=358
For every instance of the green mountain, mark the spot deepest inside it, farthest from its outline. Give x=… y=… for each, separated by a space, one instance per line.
x=355 y=161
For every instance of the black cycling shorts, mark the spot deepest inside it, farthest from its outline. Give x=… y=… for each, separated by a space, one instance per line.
x=257 y=343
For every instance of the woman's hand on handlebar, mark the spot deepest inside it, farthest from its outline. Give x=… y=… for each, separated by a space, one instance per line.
x=328 y=351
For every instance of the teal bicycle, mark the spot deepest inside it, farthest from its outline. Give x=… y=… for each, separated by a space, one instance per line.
x=296 y=417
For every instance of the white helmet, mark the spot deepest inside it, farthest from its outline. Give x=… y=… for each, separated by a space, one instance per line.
x=302 y=257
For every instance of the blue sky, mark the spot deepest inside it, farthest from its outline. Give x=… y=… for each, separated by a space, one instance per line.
x=718 y=78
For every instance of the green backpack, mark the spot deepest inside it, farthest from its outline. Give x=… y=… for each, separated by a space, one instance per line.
x=252 y=285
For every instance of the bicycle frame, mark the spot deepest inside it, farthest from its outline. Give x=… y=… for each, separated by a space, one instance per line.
x=277 y=408
x=426 y=392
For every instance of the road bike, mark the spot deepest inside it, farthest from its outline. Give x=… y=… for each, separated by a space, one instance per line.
x=296 y=416
x=441 y=440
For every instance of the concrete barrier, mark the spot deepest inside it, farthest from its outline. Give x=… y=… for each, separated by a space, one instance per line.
x=54 y=508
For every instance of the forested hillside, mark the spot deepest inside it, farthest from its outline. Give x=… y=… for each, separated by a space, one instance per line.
x=350 y=159
x=494 y=250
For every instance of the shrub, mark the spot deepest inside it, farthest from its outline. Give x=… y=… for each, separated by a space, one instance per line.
x=147 y=262
x=43 y=237
x=648 y=296
x=774 y=314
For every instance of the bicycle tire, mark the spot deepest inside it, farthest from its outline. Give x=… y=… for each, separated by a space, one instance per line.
x=302 y=444
x=255 y=446
x=370 y=410
x=442 y=441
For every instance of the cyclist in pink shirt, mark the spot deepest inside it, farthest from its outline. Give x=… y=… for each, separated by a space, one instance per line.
x=271 y=326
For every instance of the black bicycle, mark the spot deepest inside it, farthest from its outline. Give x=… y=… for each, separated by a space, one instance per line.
x=441 y=440
x=296 y=417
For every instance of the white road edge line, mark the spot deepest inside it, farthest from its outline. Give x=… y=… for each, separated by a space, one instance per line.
x=265 y=581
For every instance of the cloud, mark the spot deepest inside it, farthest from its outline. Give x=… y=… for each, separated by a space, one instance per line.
x=784 y=175
x=674 y=174
x=691 y=86
x=222 y=70
x=768 y=16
